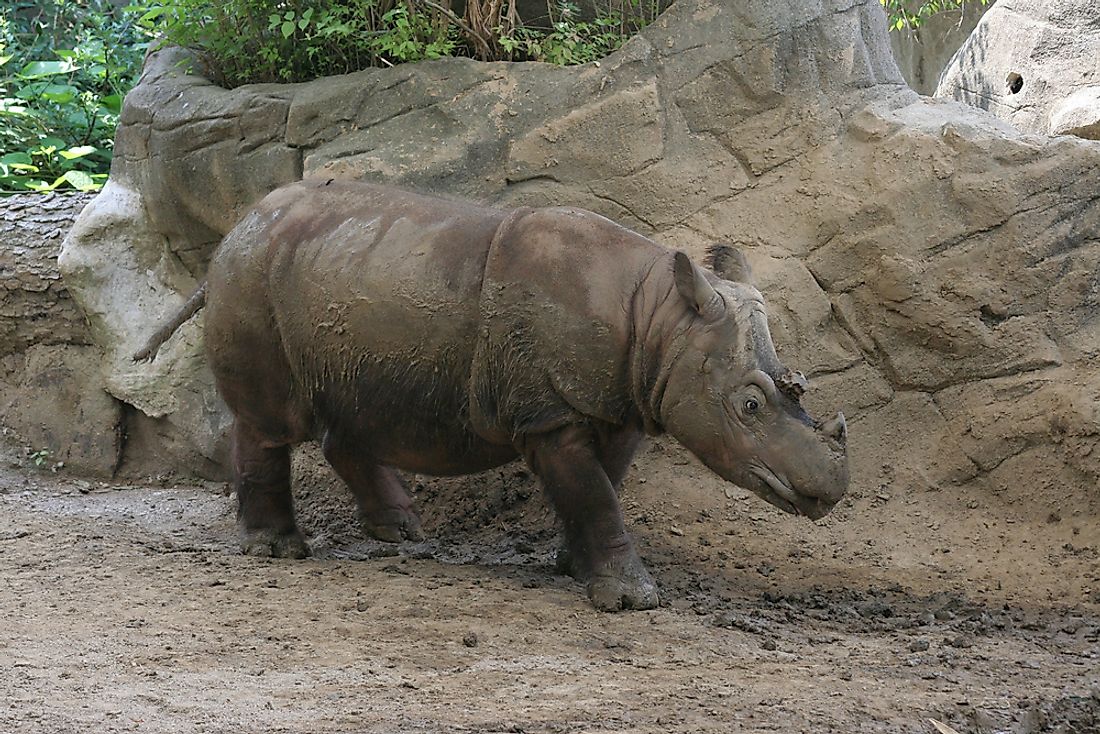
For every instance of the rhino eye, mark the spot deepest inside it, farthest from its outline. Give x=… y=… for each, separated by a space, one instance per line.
x=751 y=406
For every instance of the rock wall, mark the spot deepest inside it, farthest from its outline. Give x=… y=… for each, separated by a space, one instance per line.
x=933 y=270
x=51 y=380
x=1034 y=63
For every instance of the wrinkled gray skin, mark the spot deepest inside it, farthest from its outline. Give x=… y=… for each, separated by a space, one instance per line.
x=440 y=337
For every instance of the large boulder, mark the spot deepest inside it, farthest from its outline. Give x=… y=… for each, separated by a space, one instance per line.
x=932 y=269
x=126 y=283
x=1034 y=63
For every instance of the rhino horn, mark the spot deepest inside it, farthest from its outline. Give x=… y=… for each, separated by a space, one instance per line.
x=694 y=288
x=729 y=263
x=836 y=428
x=793 y=383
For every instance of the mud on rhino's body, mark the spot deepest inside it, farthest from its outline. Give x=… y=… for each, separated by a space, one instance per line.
x=445 y=338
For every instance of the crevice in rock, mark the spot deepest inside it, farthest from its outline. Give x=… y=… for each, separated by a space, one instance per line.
x=624 y=207
x=535 y=178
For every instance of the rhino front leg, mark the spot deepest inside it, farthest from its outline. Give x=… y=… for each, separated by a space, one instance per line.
x=385 y=508
x=265 y=506
x=615 y=449
x=601 y=551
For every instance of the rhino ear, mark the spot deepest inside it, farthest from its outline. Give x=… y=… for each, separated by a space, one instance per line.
x=729 y=263
x=693 y=287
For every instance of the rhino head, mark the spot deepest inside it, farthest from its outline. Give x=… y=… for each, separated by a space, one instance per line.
x=730 y=401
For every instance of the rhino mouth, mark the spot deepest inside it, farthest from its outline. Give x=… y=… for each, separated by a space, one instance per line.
x=779 y=492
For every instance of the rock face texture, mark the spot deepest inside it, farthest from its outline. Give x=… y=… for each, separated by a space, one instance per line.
x=931 y=269
x=1034 y=63
x=35 y=306
x=51 y=379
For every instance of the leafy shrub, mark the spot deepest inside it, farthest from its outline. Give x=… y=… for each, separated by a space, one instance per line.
x=64 y=67
x=568 y=41
x=66 y=64
x=258 y=41
x=910 y=14
x=244 y=41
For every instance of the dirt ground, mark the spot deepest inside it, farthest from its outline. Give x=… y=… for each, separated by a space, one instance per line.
x=126 y=607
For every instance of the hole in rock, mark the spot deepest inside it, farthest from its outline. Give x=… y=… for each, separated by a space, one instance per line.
x=1014 y=82
x=992 y=315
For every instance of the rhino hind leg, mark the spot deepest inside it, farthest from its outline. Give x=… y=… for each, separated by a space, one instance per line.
x=600 y=552
x=386 y=511
x=265 y=506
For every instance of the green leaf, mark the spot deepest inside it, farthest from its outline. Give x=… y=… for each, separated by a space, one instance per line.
x=13 y=183
x=20 y=163
x=17 y=157
x=13 y=108
x=113 y=102
x=150 y=13
x=39 y=69
x=59 y=93
x=78 y=152
x=288 y=29
x=42 y=186
x=6 y=59
x=79 y=180
x=77 y=117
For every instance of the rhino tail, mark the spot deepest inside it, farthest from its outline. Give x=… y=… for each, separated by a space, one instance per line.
x=161 y=335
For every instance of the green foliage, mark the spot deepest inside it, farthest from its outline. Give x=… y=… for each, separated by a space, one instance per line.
x=243 y=41
x=40 y=457
x=568 y=41
x=910 y=14
x=64 y=67
x=258 y=41
x=66 y=64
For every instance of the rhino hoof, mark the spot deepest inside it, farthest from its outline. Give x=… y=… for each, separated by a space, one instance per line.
x=271 y=544
x=630 y=591
x=393 y=525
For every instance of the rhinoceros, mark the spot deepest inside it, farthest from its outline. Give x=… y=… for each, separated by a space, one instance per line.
x=441 y=337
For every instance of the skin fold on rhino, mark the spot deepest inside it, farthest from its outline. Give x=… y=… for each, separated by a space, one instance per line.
x=441 y=337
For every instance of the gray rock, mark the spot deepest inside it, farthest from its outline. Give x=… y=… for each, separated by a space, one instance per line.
x=126 y=279
x=1078 y=114
x=1033 y=63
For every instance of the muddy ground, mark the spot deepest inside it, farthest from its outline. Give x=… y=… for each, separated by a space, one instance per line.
x=126 y=607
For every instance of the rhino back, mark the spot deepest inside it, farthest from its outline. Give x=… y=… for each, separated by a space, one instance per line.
x=557 y=322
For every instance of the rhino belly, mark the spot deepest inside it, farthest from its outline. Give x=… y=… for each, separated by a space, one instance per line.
x=413 y=419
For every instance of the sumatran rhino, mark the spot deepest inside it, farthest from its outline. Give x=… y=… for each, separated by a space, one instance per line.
x=441 y=337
